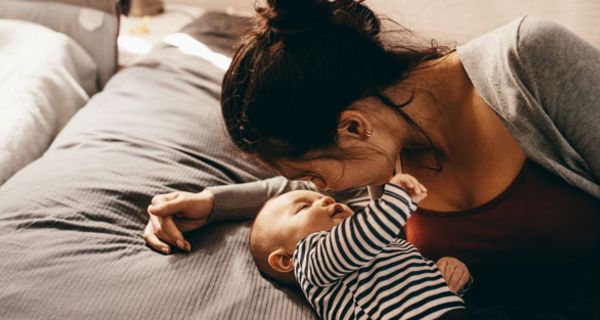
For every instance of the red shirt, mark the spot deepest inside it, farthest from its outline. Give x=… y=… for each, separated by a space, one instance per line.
x=537 y=244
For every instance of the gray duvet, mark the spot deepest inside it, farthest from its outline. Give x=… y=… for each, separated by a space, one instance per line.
x=71 y=222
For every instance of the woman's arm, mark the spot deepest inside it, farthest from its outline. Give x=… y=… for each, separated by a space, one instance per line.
x=244 y=200
x=172 y=214
x=178 y=212
x=562 y=72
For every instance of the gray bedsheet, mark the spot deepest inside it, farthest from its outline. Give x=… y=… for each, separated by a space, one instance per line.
x=71 y=222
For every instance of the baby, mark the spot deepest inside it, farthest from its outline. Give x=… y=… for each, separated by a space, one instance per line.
x=354 y=265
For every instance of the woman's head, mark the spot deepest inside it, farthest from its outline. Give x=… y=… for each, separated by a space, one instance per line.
x=306 y=63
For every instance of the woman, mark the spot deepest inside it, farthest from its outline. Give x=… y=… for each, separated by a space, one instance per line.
x=502 y=131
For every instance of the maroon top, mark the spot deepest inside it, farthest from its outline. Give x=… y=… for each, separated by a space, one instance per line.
x=536 y=244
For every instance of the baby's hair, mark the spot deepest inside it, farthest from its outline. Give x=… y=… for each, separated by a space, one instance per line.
x=261 y=247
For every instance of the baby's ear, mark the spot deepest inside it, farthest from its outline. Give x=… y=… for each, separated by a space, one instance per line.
x=281 y=261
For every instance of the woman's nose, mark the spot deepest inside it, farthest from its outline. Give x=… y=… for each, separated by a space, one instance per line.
x=326 y=200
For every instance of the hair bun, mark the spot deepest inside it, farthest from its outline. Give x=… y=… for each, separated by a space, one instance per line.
x=298 y=16
x=293 y=16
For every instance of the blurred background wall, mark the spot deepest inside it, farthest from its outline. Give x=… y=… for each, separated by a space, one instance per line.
x=461 y=20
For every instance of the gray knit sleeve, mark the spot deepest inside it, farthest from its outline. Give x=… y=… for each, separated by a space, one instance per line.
x=562 y=71
x=242 y=201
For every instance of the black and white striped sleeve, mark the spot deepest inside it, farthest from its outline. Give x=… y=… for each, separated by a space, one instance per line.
x=326 y=257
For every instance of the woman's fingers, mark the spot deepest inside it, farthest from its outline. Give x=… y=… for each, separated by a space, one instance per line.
x=166 y=230
x=186 y=225
x=168 y=207
x=158 y=228
x=161 y=198
x=174 y=233
x=153 y=241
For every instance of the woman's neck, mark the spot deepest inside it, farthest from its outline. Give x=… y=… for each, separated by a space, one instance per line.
x=441 y=103
x=481 y=157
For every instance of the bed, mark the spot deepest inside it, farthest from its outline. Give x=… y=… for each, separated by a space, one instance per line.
x=71 y=222
x=54 y=55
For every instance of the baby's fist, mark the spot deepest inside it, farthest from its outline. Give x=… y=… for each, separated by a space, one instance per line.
x=412 y=186
x=455 y=273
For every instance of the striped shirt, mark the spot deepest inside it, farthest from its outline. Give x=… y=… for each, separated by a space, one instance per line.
x=361 y=269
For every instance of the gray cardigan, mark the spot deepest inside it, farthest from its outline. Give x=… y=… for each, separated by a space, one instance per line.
x=539 y=77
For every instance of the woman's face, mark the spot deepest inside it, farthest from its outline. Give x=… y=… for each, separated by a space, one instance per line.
x=338 y=175
x=370 y=137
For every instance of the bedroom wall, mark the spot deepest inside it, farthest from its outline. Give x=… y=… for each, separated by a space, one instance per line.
x=462 y=20
x=239 y=5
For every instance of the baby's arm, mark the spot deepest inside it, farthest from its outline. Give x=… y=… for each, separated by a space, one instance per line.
x=326 y=257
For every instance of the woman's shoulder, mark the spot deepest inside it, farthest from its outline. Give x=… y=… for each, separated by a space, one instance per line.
x=527 y=40
x=538 y=38
x=521 y=33
x=532 y=29
x=521 y=54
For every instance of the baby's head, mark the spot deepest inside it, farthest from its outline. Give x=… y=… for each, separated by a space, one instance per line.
x=286 y=220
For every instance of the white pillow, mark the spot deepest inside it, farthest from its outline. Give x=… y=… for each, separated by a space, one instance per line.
x=92 y=24
x=46 y=78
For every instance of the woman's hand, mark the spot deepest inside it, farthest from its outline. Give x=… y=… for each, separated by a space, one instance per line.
x=172 y=214
x=412 y=186
x=455 y=273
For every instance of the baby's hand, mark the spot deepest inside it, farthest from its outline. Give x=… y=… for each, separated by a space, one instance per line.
x=414 y=188
x=455 y=273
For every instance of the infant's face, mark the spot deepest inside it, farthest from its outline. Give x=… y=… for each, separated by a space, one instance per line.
x=296 y=214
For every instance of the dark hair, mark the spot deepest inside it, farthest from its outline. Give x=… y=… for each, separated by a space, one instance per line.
x=306 y=61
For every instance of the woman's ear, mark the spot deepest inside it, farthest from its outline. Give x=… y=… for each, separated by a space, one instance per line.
x=354 y=125
x=281 y=261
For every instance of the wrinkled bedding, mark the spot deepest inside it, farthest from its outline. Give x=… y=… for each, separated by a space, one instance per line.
x=71 y=222
x=45 y=78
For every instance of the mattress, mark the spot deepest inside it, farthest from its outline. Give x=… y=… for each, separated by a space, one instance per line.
x=41 y=89
x=71 y=222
